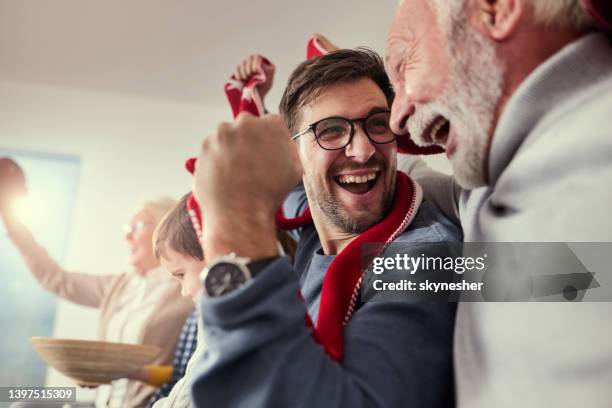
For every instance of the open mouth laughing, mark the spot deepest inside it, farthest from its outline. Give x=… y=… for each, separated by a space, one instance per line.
x=440 y=132
x=437 y=131
x=360 y=182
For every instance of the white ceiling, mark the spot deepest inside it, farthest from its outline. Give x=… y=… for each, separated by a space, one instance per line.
x=174 y=49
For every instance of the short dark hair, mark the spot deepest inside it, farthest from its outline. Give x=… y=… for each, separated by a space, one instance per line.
x=176 y=232
x=311 y=77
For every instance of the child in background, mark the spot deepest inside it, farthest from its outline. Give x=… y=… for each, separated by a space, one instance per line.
x=178 y=250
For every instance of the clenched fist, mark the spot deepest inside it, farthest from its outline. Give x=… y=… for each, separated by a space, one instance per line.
x=12 y=183
x=244 y=172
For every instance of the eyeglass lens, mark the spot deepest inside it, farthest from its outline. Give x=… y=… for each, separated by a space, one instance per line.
x=335 y=133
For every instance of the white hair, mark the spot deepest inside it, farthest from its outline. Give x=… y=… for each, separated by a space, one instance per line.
x=469 y=101
x=568 y=14
x=561 y=13
x=158 y=207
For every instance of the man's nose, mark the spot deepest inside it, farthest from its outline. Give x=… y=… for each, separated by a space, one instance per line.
x=401 y=110
x=361 y=148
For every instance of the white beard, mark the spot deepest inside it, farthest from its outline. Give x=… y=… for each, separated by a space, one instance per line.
x=470 y=100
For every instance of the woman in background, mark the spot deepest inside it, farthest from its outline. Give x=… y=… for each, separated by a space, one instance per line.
x=142 y=306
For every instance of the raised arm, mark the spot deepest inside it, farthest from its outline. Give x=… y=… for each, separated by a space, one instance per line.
x=84 y=289
x=254 y=64
x=87 y=290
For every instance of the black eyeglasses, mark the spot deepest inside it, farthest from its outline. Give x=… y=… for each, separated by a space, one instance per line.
x=336 y=132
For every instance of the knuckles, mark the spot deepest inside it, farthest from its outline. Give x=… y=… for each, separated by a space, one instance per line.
x=244 y=119
x=248 y=134
x=225 y=134
x=204 y=146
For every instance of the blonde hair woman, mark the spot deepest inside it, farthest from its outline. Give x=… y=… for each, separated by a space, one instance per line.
x=142 y=305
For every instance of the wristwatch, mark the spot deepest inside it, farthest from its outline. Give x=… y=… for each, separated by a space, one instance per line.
x=229 y=272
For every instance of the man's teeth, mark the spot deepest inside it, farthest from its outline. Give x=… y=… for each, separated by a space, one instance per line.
x=436 y=128
x=356 y=179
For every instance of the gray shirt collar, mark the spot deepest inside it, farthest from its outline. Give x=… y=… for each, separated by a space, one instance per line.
x=576 y=65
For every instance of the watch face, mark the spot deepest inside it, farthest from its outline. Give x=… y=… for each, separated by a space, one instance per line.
x=222 y=278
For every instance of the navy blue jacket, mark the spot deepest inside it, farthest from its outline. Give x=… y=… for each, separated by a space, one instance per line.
x=261 y=354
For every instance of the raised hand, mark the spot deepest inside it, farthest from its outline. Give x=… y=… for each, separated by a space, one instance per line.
x=12 y=184
x=251 y=65
x=244 y=172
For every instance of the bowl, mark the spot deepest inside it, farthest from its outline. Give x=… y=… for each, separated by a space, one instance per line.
x=93 y=363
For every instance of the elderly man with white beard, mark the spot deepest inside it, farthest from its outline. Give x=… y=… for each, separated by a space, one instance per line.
x=519 y=92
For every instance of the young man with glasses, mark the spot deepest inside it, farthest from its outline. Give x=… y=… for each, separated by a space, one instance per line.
x=262 y=350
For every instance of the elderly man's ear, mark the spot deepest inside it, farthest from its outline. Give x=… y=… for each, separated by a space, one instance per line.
x=497 y=19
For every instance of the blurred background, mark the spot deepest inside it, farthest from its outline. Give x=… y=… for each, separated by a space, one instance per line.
x=101 y=102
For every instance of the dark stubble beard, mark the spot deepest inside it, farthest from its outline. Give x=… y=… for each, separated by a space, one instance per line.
x=332 y=208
